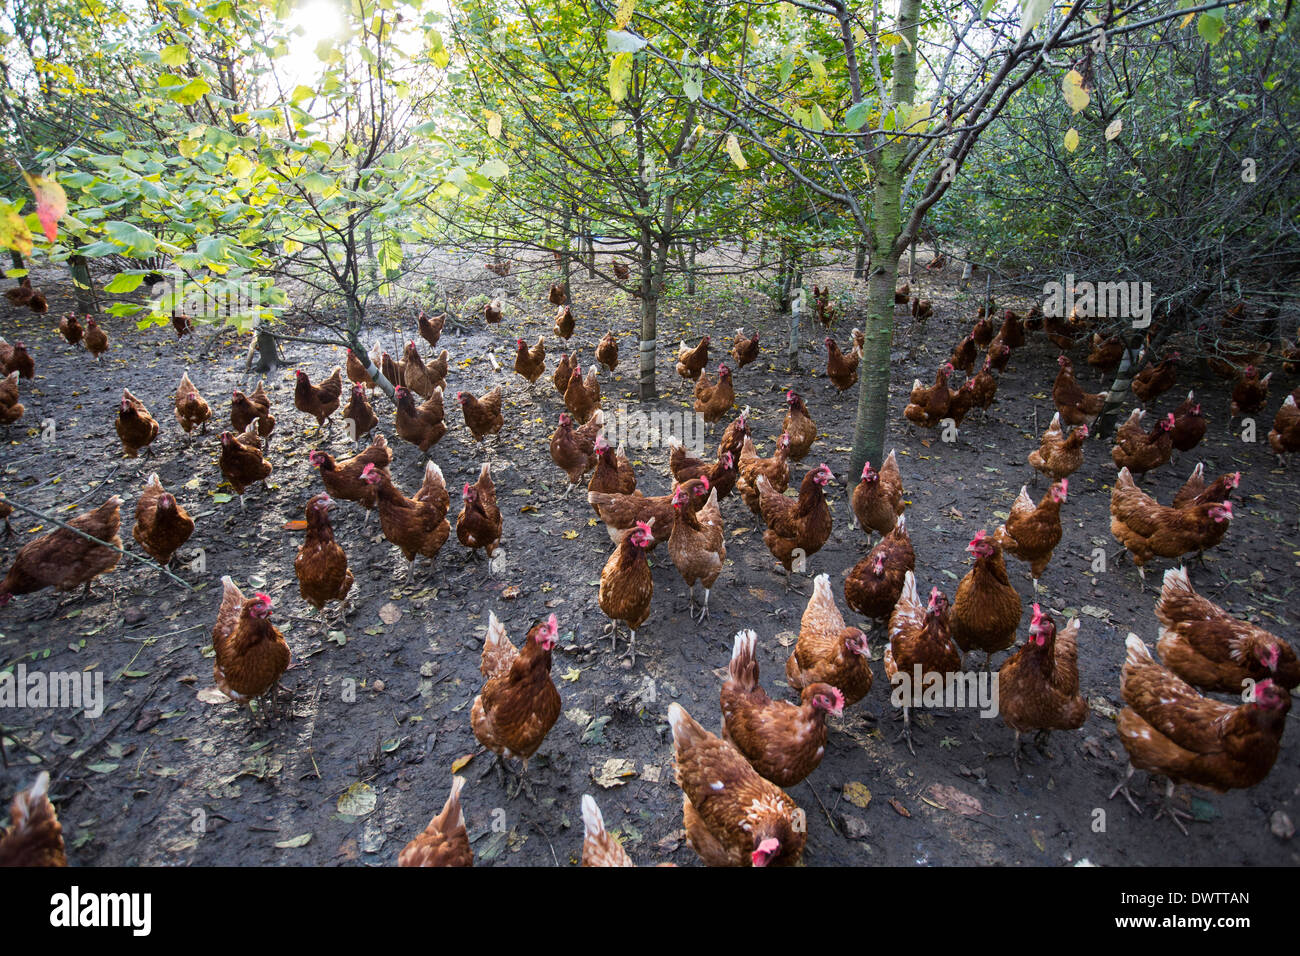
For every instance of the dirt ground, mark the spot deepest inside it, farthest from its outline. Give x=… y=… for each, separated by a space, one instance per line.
x=380 y=712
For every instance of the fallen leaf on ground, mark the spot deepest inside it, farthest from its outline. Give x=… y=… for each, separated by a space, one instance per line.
x=857 y=794
x=615 y=772
x=950 y=798
x=358 y=800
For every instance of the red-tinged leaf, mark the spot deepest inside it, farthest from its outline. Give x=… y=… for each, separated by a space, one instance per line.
x=51 y=203
x=295 y=525
x=901 y=810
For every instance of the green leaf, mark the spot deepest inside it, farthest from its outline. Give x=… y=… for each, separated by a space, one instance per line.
x=238 y=166
x=1031 y=12
x=1211 y=27
x=174 y=55
x=123 y=283
x=857 y=115
x=137 y=241
x=693 y=84
x=191 y=92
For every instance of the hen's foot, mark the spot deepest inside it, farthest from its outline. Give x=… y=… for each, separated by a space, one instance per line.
x=1122 y=787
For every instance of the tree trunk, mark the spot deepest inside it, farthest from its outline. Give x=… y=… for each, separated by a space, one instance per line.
x=83 y=286
x=873 y=368
x=690 y=269
x=860 y=263
x=649 y=315
x=263 y=346
x=792 y=348
x=564 y=256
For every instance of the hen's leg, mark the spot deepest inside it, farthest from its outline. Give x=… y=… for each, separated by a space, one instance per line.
x=410 y=571
x=630 y=657
x=1122 y=787
x=1040 y=743
x=907 y=731
x=1168 y=808
x=521 y=784
x=704 y=611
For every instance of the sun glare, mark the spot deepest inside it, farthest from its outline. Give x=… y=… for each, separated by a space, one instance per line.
x=313 y=22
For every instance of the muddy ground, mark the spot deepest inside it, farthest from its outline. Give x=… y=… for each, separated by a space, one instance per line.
x=165 y=778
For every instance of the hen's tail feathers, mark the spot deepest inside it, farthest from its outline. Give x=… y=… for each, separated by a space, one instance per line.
x=686 y=732
x=822 y=590
x=1176 y=580
x=496 y=632
x=743 y=667
x=593 y=824
x=452 y=808
x=1137 y=651
x=25 y=801
x=908 y=594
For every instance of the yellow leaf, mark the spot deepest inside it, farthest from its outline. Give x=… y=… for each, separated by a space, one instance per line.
x=733 y=150
x=1076 y=97
x=569 y=535
x=494 y=123
x=14 y=233
x=1072 y=139
x=1114 y=128
x=620 y=73
x=459 y=763
x=857 y=794
x=1186 y=20
x=623 y=15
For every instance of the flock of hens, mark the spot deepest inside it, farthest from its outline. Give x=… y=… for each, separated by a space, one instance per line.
x=735 y=810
